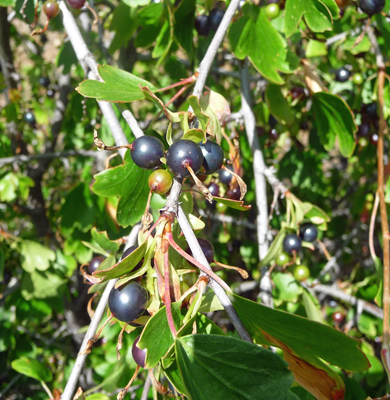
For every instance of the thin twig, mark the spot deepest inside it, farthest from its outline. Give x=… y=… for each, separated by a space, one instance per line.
x=382 y=204
x=208 y=59
x=80 y=360
x=145 y=392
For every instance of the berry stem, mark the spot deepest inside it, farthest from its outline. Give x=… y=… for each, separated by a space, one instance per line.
x=167 y=294
x=120 y=342
x=241 y=183
x=123 y=392
x=241 y=271
x=39 y=31
x=183 y=82
x=211 y=274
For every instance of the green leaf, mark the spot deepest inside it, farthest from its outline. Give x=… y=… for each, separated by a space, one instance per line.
x=118 y=86
x=32 y=368
x=254 y=36
x=104 y=242
x=202 y=117
x=237 y=205
x=78 y=210
x=196 y=135
x=35 y=256
x=7 y=3
x=41 y=285
x=311 y=307
x=318 y=17
x=286 y=287
x=274 y=249
x=157 y=337
x=184 y=25
x=122 y=267
x=278 y=105
x=305 y=338
x=130 y=183
x=230 y=368
x=97 y=396
x=316 y=49
x=334 y=118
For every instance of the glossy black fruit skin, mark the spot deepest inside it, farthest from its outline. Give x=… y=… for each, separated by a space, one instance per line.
x=139 y=355
x=29 y=117
x=50 y=93
x=213 y=189
x=212 y=156
x=215 y=18
x=44 y=81
x=146 y=152
x=308 y=232
x=184 y=153
x=128 y=302
x=234 y=194
x=207 y=248
x=364 y=129
x=342 y=75
x=77 y=4
x=224 y=176
x=292 y=243
x=371 y=7
x=202 y=25
x=94 y=264
x=127 y=252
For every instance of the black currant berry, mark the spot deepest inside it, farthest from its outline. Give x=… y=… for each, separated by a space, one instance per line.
x=292 y=243
x=215 y=18
x=50 y=93
x=308 y=232
x=207 y=248
x=29 y=117
x=94 y=264
x=128 y=302
x=224 y=176
x=370 y=110
x=44 y=81
x=371 y=7
x=202 y=25
x=212 y=156
x=298 y=92
x=184 y=153
x=234 y=194
x=51 y=8
x=139 y=355
x=364 y=129
x=338 y=317
x=213 y=189
x=77 y=4
x=342 y=75
x=273 y=134
x=374 y=139
x=147 y=151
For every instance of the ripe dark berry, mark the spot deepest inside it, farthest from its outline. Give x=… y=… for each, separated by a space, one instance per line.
x=370 y=110
x=224 y=176
x=364 y=129
x=308 y=232
x=77 y=4
x=147 y=151
x=184 y=153
x=139 y=355
x=272 y=11
x=215 y=18
x=371 y=7
x=160 y=181
x=213 y=189
x=374 y=139
x=292 y=243
x=297 y=92
x=207 y=248
x=44 y=81
x=29 y=117
x=301 y=273
x=342 y=75
x=94 y=264
x=212 y=156
x=338 y=317
x=234 y=194
x=51 y=8
x=50 y=93
x=273 y=134
x=202 y=25
x=128 y=302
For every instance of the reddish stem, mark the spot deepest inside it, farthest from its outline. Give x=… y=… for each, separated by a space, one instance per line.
x=183 y=82
x=192 y=260
x=167 y=294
